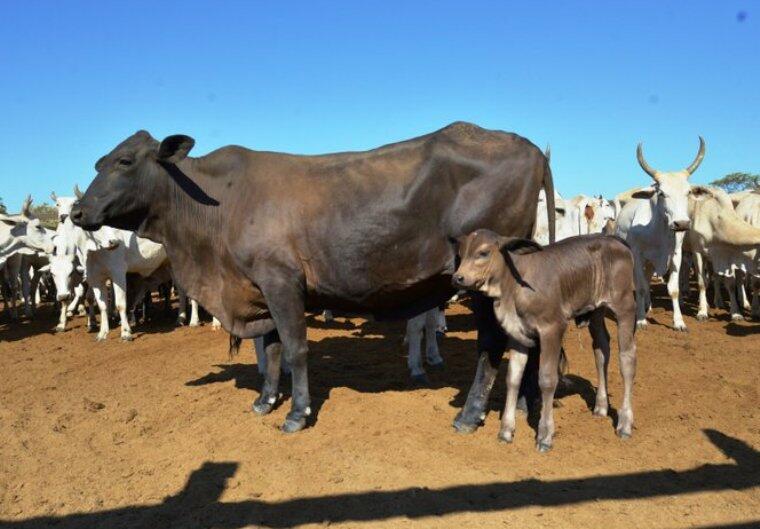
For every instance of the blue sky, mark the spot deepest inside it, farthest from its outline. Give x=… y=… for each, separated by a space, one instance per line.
x=591 y=78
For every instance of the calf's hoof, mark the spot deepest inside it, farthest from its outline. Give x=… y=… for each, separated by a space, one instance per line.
x=420 y=381
x=642 y=325
x=438 y=367
x=293 y=425
x=263 y=406
x=543 y=446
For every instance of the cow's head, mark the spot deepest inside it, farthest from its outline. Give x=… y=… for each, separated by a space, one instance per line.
x=122 y=192
x=27 y=230
x=672 y=189
x=67 y=273
x=64 y=204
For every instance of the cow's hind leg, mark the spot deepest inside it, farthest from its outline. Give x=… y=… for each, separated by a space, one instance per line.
x=699 y=264
x=736 y=311
x=491 y=344
x=272 y=349
x=548 y=377
x=600 y=339
x=414 y=327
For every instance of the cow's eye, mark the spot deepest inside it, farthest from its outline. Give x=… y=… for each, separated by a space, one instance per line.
x=483 y=253
x=125 y=162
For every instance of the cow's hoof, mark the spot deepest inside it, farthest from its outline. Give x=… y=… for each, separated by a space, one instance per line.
x=506 y=437
x=59 y=328
x=702 y=317
x=420 y=381
x=462 y=425
x=600 y=412
x=262 y=407
x=293 y=425
x=127 y=338
x=194 y=324
x=69 y=314
x=437 y=367
x=543 y=446
x=623 y=434
x=680 y=327
x=100 y=338
x=737 y=317
x=642 y=325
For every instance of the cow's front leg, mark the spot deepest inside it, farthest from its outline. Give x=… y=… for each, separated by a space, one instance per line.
x=673 y=290
x=100 y=291
x=120 y=301
x=699 y=264
x=730 y=281
x=285 y=300
x=62 y=318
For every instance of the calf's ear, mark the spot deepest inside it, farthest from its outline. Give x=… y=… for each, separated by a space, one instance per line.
x=518 y=245
x=175 y=148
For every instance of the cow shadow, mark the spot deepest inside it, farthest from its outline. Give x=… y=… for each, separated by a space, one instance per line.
x=750 y=328
x=198 y=505
x=44 y=321
x=377 y=363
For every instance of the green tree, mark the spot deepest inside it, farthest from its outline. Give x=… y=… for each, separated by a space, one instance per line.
x=734 y=182
x=48 y=215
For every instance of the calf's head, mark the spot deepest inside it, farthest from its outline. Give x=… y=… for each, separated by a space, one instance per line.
x=671 y=188
x=127 y=178
x=485 y=258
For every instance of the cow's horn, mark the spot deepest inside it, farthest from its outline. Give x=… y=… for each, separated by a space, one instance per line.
x=26 y=207
x=698 y=159
x=77 y=191
x=643 y=163
x=53 y=196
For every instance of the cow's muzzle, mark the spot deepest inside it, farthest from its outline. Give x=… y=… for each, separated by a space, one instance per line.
x=680 y=225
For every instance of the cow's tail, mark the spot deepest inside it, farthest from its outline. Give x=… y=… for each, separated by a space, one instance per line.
x=234 y=346
x=549 y=190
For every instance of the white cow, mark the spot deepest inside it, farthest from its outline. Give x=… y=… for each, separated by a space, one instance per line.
x=589 y=214
x=563 y=228
x=653 y=223
x=106 y=254
x=23 y=234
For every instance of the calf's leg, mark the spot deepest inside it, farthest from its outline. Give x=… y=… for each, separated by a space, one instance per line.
x=627 y=360
x=518 y=358
x=548 y=377
x=600 y=340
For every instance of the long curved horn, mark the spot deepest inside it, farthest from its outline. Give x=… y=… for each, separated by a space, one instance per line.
x=26 y=208
x=643 y=163
x=77 y=192
x=698 y=159
x=53 y=196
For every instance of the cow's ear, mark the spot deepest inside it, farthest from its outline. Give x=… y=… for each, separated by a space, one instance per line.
x=700 y=192
x=644 y=193
x=10 y=221
x=175 y=148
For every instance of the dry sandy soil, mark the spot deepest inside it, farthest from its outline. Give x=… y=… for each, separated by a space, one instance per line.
x=158 y=433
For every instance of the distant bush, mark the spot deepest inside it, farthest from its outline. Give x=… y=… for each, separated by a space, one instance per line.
x=48 y=215
x=734 y=182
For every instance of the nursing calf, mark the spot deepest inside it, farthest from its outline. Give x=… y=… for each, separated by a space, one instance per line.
x=536 y=292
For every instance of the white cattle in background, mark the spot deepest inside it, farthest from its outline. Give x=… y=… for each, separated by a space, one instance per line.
x=23 y=234
x=106 y=254
x=653 y=222
x=563 y=228
x=748 y=209
x=589 y=214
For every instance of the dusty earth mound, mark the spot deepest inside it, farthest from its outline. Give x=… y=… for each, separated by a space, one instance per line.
x=158 y=433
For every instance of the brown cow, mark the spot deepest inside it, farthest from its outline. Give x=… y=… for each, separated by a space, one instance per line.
x=536 y=291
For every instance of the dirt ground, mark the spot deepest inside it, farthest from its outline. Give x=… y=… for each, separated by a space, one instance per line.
x=159 y=433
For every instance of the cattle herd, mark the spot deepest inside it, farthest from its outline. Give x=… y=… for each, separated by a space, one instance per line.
x=260 y=239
